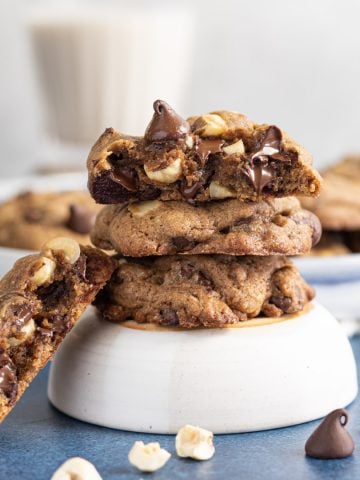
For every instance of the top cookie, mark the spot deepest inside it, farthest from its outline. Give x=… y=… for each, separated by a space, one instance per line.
x=214 y=156
x=338 y=207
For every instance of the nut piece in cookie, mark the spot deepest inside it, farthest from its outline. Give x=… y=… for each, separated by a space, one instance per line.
x=203 y=290
x=148 y=457
x=41 y=298
x=194 y=442
x=198 y=159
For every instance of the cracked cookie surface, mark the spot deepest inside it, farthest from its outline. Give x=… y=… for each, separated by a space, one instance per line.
x=203 y=290
x=213 y=156
x=28 y=220
x=41 y=299
x=268 y=227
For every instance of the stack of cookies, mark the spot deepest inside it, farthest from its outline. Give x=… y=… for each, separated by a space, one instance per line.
x=202 y=214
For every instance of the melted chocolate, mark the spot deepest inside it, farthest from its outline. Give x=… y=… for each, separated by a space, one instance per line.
x=8 y=379
x=166 y=124
x=81 y=219
x=190 y=192
x=206 y=147
x=126 y=177
x=330 y=439
x=260 y=174
x=260 y=171
x=22 y=313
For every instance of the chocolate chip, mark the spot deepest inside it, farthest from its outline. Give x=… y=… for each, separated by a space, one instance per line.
x=81 y=219
x=106 y=190
x=166 y=124
x=22 y=313
x=190 y=192
x=206 y=147
x=60 y=323
x=8 y=379
x=80 y=267
x=126 y=177
x=183 y=243
x=259 y=173
x=330 y=439
x=282 y=302
x=169 y=317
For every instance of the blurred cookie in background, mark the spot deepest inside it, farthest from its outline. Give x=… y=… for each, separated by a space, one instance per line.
x=29 y=219
x=338 y=208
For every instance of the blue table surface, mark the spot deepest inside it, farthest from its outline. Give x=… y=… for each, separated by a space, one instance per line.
x=35 y=439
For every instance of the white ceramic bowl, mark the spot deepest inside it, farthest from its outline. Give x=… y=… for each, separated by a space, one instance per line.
x=266 y=374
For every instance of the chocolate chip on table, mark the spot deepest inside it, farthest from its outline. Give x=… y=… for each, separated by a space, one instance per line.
x=330 y=440
x=166 y=124
x=81 y=219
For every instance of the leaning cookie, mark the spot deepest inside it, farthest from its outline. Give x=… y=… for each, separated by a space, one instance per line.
x=203 y=290
x=212 y=156
x=41 y=298
x=30 y=219
x=234 y=227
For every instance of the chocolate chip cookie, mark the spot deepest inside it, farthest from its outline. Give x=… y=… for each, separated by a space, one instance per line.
x=338 y=207
x=203 y=290
x=268 y=227
x=209 y=157
x=41 y=298
x=28 y=220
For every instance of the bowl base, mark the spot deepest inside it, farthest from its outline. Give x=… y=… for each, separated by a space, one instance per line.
x=266 y=374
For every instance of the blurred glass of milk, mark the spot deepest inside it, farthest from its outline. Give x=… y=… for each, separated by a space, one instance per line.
x=102 y=67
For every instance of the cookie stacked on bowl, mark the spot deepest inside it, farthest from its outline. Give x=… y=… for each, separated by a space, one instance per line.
x=202 y=214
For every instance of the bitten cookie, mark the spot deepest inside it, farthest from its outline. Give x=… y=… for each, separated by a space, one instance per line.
x=268 y=227
x=203 y=290
x=213 y=156
x=41 y=298
x=28 y=220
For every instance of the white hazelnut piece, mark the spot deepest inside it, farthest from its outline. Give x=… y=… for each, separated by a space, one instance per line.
x=140 y=209
x=237 y=147
x=214 y=125
x=45 y=272
x=76 y=468
x=69 y=247
x=169 y=174
x=149 y=457
x=194 y=442
x=218 y=191
x=27 y=330
x=189 y=141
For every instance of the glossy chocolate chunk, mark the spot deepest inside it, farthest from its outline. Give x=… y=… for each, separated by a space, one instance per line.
x=206 y=147
x=330 y=439
x=166 y=124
